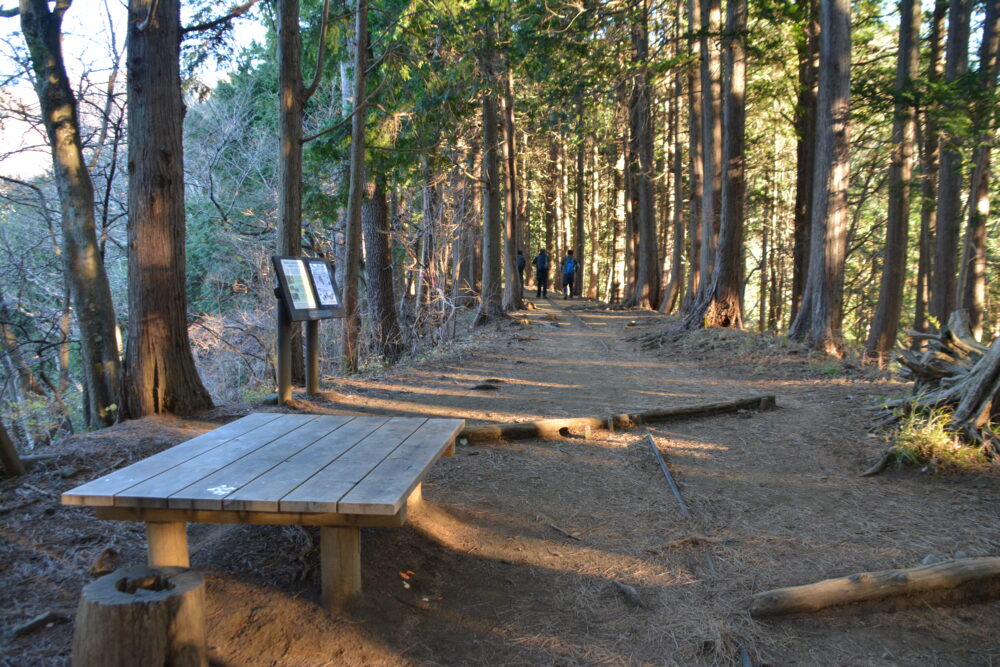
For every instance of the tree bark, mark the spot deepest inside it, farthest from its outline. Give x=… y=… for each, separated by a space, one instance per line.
x=551 y=193
x=819 y=318
x=512 y=292
x=805 y=130
x=290 y=102
x=647 y=284
x=930 y=162
x=696 y=165
x=720 y=304
x=9 y=458
x=579 y=187
x=972 y=283
x=669 y=300
x=711 y=136
x=164 y=625
x=160 y=373
x=386 y=335
x=885 y=324
x=490 y=305
x=965 y=579
x=352 y=234
x=82 y=260
x=948 y=227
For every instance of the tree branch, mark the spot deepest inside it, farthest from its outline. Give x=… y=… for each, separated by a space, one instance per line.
x=234 y=12
x=349 y=116
x=308 y=92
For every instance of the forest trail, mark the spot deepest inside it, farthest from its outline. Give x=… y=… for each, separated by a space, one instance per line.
x=551 y=363
x=521 y=550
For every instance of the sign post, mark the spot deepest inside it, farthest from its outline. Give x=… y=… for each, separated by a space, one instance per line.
x=307 y=293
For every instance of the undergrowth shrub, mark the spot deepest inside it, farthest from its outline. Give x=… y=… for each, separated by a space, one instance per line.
x=924 y=439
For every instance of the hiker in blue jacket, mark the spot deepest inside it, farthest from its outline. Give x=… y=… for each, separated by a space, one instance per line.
x=541 y=264
x=569 y=267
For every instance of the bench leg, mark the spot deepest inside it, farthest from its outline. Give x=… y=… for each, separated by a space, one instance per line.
x=340 y=555
x=416 y=498
x=168 y=544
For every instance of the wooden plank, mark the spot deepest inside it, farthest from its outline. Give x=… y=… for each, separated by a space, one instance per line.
x=322 y=491
x=208 y=492
x=264 y=493
x=102 y=490
x=385 y=489
x=252 y=518
x=155 y=491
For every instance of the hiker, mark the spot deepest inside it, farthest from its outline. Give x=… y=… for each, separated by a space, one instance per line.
x=569 y=267
x=521 y=263
x=541 y=264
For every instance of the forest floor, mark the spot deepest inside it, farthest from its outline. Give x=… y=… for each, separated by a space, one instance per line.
x=515 y=556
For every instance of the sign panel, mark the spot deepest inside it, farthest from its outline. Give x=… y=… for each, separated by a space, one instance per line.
x=307 y=288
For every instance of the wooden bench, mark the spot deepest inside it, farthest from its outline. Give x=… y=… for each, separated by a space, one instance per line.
x=337 y=472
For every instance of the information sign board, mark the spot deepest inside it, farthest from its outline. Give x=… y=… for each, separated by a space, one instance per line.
x=307 y=288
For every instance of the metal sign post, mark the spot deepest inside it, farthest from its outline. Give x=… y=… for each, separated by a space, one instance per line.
x=308 y=293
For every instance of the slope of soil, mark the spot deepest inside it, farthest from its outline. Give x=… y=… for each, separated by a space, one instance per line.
x=523 y=552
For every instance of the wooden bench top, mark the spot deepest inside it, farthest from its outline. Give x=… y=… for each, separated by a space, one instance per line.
x=283 y=463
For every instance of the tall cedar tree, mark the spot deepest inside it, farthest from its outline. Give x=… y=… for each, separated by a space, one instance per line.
x=647 y=284
x=882 y=336
x=930 y=157
x=721 y=302
x=972 y=283
x=490 y=305
x=160 y=374
x=949 y=204
x=352 y=235
x=820 y=317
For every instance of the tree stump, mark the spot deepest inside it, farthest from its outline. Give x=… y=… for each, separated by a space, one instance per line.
x=142 y=616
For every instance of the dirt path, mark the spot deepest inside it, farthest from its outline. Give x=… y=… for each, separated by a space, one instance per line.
x=520 y=551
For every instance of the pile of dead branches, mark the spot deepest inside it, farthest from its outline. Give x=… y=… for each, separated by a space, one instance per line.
x=955 y=372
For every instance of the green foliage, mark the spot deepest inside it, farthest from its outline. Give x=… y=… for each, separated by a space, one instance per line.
x=923 y=438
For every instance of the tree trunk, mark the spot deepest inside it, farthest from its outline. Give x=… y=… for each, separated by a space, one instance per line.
x=83 y=263
x=290 y=102
x=580 y=182
x=720 y=304
x=885 y=324
x=711 y=136
x=386 y=336
x=944 y=279
x=930 y=159
x=618 y=234
x=490 y=306
x=805 y=130
x=512 y=292
x=696 y=165
x=551 y=193
x=9 y=459
x=160 y=374
x=669 y=301
x=647 y=284
x=819 y=318
x=594 y=224
x=349 y=354
x=973 y=268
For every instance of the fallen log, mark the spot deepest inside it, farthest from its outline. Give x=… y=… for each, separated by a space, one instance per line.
x=554 y=429
x=963 y=580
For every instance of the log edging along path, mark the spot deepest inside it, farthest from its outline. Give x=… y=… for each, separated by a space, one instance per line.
x=554 y=429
